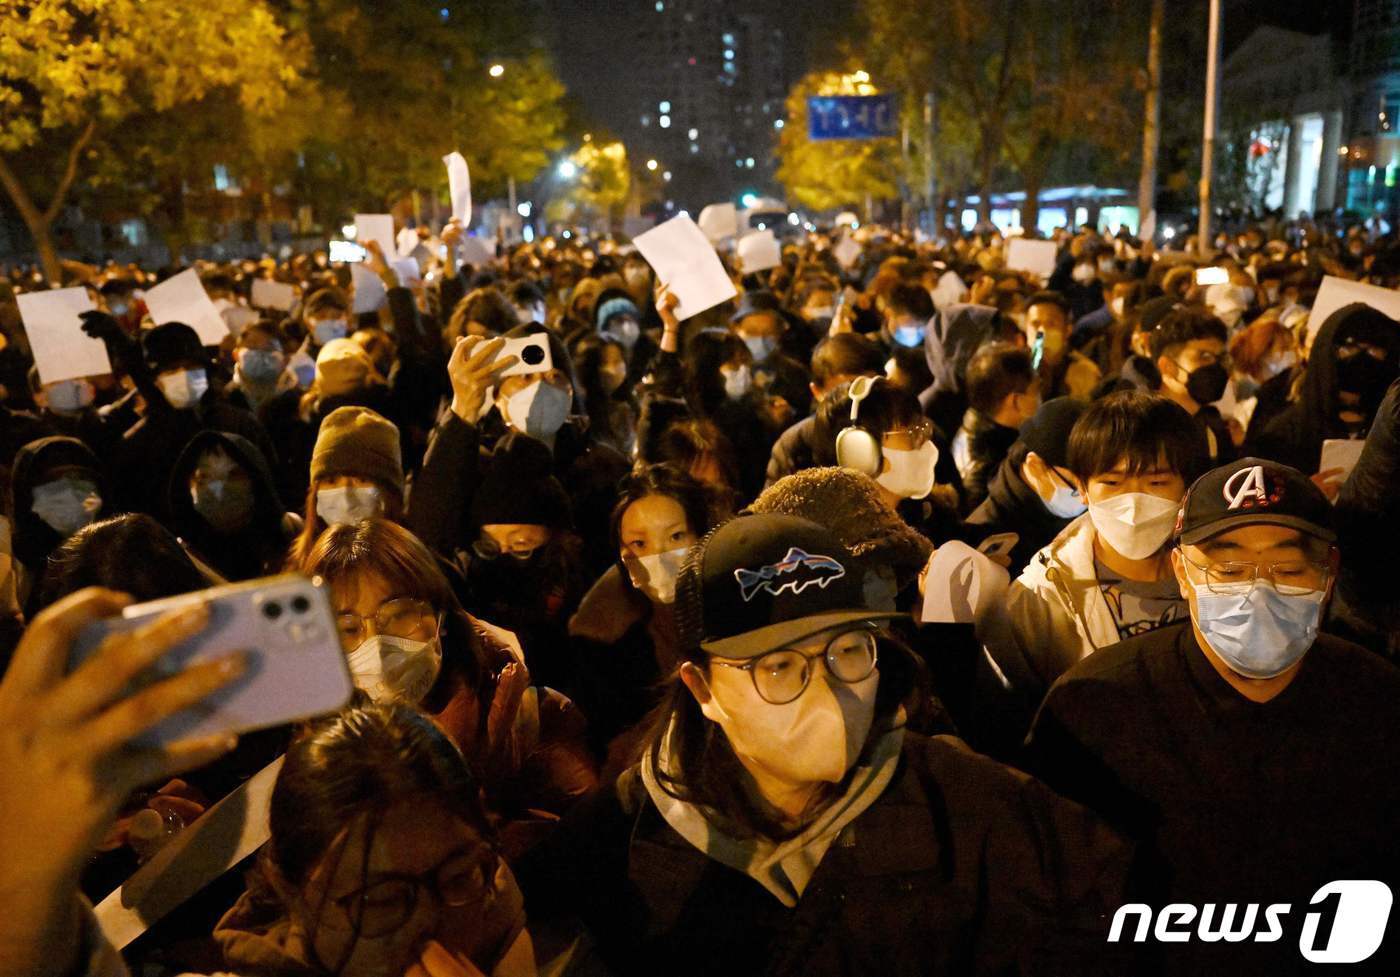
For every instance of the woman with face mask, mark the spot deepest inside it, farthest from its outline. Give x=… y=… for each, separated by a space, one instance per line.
x=756 y=831
x=873 y=427
x=260 y=370
x=607 y=398
x=408 y=640
x=356 y=474
x=1107 y=576
x=381 y=861
x=624 y=632
x=223 y=503
x=56 y=488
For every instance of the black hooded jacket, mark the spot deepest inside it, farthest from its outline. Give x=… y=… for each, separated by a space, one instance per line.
x=37 y=463
x=253 y=551
x=954 y=335
x=1295 y=436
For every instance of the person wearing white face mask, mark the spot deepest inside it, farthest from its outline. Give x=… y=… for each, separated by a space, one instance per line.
x=782 y=787
x=1286 y=724
x=57 y=488
x=1107 y=576
x=356 y=473
x=876 y=428
x=407 y=639
x=624 y=632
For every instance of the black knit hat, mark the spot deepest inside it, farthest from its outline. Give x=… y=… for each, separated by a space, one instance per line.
x=171 y=345
x=761 y=582
x=1047 y=432
x=520 y=487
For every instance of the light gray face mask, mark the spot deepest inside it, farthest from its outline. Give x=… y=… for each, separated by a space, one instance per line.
x=66 y=504
x=1258 y=631
x=349 y=504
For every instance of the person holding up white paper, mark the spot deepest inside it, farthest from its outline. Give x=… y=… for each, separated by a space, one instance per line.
x=685 y=261
x=459 y=187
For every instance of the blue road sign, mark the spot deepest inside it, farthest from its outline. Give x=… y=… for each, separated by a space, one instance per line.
x=852 y=116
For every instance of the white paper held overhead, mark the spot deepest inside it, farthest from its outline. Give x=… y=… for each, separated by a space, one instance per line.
x=376 y=227
x=685 y=261
x=1335 y=293
x=268 y=294
x=183 y=299
x=758 y=251
x=62 y=351
x=719 y=221
x=369 y=290
x=459 y=187
x=1035 y=257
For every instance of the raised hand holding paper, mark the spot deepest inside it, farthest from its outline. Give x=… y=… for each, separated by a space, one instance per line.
x=960 y=584
x=684 y=260
x=183 y=299
x=376 y=227
x=62 y=351
x=459 y=187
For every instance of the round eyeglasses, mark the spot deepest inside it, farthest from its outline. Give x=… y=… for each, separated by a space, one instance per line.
x=781 y=676
x=401 y=617
x=390 y=901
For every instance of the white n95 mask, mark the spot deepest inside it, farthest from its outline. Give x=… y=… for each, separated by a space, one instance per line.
x=1135 y=524
x=655 y=575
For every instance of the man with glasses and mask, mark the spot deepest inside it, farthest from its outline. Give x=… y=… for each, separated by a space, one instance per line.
x=1250 y=755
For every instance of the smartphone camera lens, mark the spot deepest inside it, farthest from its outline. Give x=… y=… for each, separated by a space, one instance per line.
x=272 y=611
x=300 y=605
x=532 y=355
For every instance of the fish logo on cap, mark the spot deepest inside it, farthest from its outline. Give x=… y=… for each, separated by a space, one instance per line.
x=796 y=571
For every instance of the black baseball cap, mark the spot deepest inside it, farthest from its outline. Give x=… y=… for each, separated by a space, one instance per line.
x=765 y=581
x=1253 y=491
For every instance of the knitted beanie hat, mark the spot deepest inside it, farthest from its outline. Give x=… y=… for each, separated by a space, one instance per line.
x=520 y=487
x=849 y=505
x=357 y=441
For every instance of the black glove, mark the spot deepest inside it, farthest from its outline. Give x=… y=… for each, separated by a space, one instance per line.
x=122 y=350
x=102 y=325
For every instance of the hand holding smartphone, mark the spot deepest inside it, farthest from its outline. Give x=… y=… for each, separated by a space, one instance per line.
x=283 y=625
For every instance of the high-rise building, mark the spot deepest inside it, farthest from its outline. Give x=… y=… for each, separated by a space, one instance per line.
x=706 y=81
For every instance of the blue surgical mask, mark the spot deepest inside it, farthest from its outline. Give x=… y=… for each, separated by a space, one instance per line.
x=760 y=346
x=910 y=335
x=325 y=330
x=261 y=365
x=1258 y=633
x=1065 y=502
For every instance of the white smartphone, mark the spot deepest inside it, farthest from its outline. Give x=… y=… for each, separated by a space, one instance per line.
x=531 y=354
x=347 y=252
x=1212 y=276
x=296 y=668
x=999 y=544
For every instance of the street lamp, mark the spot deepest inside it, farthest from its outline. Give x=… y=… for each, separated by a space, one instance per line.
x=567 y=170
x=651 y=165
x=496 y=70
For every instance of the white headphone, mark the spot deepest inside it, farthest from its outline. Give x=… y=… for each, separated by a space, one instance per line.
x=856 y=447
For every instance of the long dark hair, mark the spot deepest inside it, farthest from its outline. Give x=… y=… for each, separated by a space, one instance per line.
x=671 y=481
x=701 y=767
x=706 y=352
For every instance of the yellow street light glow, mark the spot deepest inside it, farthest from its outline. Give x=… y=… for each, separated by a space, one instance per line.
x=497 y=70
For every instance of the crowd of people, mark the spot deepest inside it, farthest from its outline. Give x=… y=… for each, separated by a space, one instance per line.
x=646 y=680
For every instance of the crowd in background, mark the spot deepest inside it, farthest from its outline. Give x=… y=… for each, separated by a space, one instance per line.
x=504 y=550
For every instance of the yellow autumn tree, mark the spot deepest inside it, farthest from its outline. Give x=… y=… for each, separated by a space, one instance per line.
x=72 y=71
x=828 y=174
x=599 y=186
